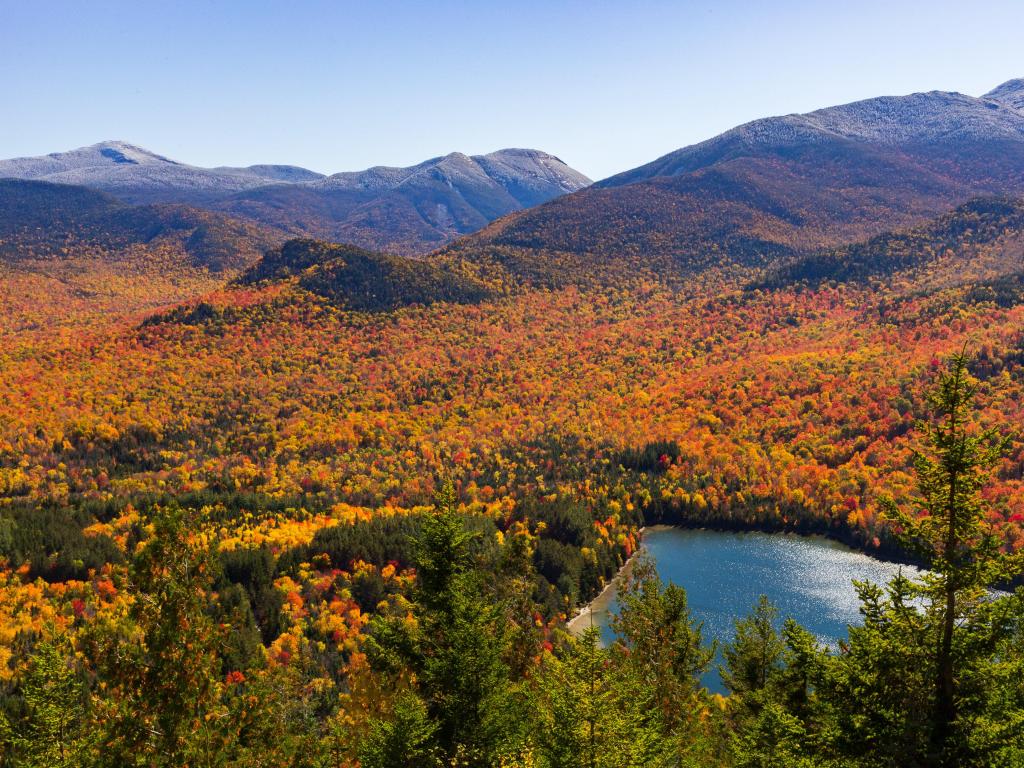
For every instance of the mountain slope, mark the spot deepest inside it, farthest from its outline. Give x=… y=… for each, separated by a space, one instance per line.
x=890 y=121
x=980 y=243
x=786 y=185
x=1010 y=93
x=412 y=209
x=73 y=258
x=397 y=209
x=43 y=220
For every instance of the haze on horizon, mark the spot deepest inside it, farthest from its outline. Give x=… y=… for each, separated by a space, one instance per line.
x=343 y=86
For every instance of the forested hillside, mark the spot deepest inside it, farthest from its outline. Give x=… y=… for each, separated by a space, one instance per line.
x=42 y=220
x=192 y=653
x=71 y=257
x=780 y=185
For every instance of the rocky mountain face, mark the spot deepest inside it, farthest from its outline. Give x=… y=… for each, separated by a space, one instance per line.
x=412 y=210
x=397 y=209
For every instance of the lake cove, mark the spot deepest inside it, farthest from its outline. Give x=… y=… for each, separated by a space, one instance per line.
x=809 y=578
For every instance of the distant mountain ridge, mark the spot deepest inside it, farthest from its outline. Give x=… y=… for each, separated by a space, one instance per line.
x=410 y=209
x=776 y=188
x=893 y=121
x=415 y=209
x=140 y=176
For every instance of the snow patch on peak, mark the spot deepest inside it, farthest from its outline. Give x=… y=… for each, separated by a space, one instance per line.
x=501 y=181
x=520 y=168
x=931 y=116
x=124 y=152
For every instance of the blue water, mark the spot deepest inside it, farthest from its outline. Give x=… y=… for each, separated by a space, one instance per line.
x=808 y=578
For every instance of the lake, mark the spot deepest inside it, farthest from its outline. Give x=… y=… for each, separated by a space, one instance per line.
x=808 y=578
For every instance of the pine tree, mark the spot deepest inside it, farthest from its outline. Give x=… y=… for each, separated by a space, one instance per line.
x=588 y=714
x=878 y=690
x=408 y=739
x=771 y=677
x=662 y=642
x=660 y=655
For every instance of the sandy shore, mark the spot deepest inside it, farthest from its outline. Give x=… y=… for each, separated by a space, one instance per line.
x=599 y=605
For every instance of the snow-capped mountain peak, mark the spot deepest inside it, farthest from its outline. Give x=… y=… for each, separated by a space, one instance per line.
x=522 y=169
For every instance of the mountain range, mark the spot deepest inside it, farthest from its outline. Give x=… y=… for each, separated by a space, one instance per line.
x=767 y=192
x=207 y=409
x=409 y=210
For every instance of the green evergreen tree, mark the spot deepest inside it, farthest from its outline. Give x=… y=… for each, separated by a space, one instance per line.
x=663 y=643
x=755 y=653
x=771 y=678
x=661 y=655
x=457 y=650
x=948 y=525
x=877 y=691
x=922 y=681
x=803 y=664
x=408 y=739
x=587 y=715
x=50 y=732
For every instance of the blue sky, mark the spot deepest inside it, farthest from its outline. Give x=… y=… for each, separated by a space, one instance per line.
x=343 y=85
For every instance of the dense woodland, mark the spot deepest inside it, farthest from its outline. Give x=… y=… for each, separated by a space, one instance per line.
x=190 y=655
x=270 y=514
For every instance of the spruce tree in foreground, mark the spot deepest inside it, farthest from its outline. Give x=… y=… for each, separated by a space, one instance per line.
x=583 y=720
x=950 y=528
x=660 y=640
x=934 y=675
x=771 y=677
x=755 y=653
x=466 y=713
x=638 y=702
x=925 y=680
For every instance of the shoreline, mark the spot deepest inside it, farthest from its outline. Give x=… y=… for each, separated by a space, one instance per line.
x=888 y=552
x=580 y=622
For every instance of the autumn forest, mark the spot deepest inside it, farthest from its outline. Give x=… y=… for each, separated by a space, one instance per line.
x=268 y=500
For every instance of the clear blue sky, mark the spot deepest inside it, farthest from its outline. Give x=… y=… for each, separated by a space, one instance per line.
x=344 y=85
